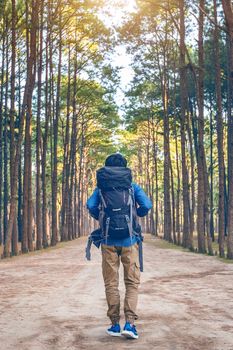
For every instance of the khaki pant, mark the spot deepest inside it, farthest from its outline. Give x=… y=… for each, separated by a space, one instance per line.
x=111 y=256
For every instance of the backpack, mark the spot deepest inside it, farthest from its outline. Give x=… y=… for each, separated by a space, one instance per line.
x=117 y=203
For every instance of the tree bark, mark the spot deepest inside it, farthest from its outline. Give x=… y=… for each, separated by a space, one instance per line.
x=183 y=98
x=228 y=12
x=66 y=165
x=29 y=86
x=38 y=135
x=219 y=117
x=201 y=196
x=12 y=117
x=1 y=131
x=55 y=140
x=6 y=148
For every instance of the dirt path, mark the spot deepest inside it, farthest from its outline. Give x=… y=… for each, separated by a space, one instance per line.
x=55 y=300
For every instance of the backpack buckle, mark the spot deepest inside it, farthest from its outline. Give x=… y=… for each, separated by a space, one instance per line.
x=127 y=218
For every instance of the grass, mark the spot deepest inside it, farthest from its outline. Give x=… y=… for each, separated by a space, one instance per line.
x=159 y=242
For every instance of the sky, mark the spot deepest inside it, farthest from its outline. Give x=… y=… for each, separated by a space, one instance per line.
x=113 y=15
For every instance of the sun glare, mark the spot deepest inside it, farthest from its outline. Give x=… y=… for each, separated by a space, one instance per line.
x=115 y=11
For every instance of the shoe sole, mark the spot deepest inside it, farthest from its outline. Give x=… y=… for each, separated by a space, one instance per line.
x=129 y=335
x=113 y=334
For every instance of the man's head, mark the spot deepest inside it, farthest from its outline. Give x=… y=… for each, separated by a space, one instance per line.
x=116 y=159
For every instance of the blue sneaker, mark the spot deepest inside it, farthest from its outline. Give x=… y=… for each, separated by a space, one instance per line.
x=114 y=330
x=130 y=331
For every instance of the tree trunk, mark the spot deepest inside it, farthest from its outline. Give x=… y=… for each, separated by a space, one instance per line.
x=228 y=11
x=55 y=137
x=66 y=166
x=20 y=221
x=177 y=192
x=30 y=81
x=45 y=140
x=192 y=199
x=38 y=136
x=1 y=130
x=73 y=153
x=211 y=178
x=201 y=195
x=12 y=118
x=27 y=225
x=6 y=192
x=183 y=97
x=221 y=206
x=167 y=201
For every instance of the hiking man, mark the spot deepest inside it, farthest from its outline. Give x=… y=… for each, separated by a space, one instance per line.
x=116 y=203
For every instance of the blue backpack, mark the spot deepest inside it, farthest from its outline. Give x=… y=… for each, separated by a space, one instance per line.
x=117 y=218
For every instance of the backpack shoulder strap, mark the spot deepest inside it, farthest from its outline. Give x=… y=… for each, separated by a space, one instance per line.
x=101 y=217
x=88 y=248
x=102 y=198
x=133 y=195
x=130 y=217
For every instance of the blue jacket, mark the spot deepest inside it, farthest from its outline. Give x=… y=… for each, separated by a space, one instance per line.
x=143 y=202
x=141 y=199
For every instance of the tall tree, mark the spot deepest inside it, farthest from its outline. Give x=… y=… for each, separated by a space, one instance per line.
x=183 y=105
x=26 y=108
x=219 y=117
x=228 y=11
x=38 y=131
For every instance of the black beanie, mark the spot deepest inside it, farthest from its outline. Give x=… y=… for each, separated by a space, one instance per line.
x=116 y=159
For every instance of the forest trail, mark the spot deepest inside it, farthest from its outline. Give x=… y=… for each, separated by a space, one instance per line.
x=55 y=300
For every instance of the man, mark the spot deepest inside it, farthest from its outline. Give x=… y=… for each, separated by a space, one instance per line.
x=116 y=203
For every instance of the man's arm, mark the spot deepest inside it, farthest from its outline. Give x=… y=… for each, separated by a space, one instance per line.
x=142 y=200
x=93 y=204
